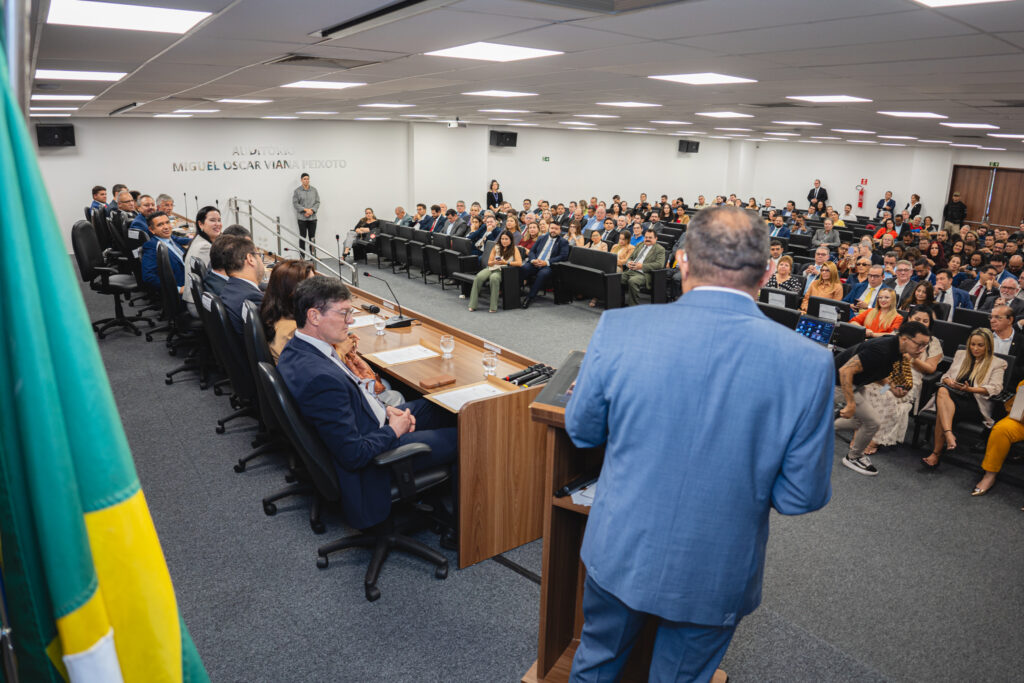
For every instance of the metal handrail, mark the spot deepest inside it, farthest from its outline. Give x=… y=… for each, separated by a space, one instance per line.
x=284 y=234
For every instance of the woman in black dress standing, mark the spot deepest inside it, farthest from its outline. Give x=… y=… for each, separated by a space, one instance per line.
x=494 y=196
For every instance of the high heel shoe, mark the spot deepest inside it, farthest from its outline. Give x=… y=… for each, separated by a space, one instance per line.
x=981 y=492
x=950 y=445
x=930 y=467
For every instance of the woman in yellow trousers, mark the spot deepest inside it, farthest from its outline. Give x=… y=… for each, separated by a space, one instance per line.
x=1004 y=434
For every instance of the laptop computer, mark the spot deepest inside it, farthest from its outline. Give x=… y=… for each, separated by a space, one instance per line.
x=816 y=329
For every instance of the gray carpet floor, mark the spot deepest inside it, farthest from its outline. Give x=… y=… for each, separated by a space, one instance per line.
x=902 y=577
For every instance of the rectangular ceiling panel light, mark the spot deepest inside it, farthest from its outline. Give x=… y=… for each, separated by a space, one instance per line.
x=172 y=116
x=48 y=116
x=746 y=130
x=597 y=116
x=828 y=99
x=980 y=126
x=196 y=111
x=855 y=131
x=937 y=142
x=955 y=3
x=785 y=135
x=60 y=98
x=492 y=52
x=913 y=114
x=504 y=111
x=60 y=75
x=628 y=105
x=285 y=118
x=322 y=85
x=573 y=123
x=1012 y=136
x=897 y=137
x=673 y=123
x=125 y=17
x=796 y=123
x=387 y=105
x=706 y=78
x=317 y=113
x=825 y=137
x=725 y=115
x=53 y=108
x=500 y=93
x=419 y=116
x=229 y=100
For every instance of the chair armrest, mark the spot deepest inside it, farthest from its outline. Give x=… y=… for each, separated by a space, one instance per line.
x=106 y=269
x=409 y=450
x=400 y=461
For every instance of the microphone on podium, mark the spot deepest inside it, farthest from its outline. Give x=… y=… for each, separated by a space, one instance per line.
x=396 y=320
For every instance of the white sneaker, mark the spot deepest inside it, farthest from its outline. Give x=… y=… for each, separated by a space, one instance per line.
x=861 y=465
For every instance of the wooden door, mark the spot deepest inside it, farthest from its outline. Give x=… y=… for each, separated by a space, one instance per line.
x=1006 y=206
x=973 y=184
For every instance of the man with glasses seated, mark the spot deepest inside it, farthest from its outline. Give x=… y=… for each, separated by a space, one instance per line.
x=812 y=270
x=1008 y=291
x=901 y=282
x=862 y=295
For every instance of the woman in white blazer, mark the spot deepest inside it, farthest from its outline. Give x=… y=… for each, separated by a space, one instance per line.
x=975 y=376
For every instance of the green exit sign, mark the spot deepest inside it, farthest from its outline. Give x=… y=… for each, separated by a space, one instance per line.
x=993 y=164
x=549 y=159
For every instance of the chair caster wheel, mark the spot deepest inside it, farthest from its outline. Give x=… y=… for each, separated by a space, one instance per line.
x=290 y=478
x=151 y=323
x=217 y=391
x=239 y=467
x=317 y=527
x=149 y=337
x=168 y=380
x=137 y=332
x=269 y=509
x=322 y=562
x=372 y=593
x=173 y=352
x=220 y=429
x=441 y=572
x=101 y=335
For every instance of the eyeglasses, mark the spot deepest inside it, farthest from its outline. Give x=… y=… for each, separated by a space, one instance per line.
x=349 y=313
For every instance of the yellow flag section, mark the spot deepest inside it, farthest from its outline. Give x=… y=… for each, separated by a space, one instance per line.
x=134 y=603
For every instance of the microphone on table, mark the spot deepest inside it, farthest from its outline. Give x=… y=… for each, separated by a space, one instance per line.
x=530 y=376
x=370 y=308
x=516 y=375
x=396 y=320
x=544 y=375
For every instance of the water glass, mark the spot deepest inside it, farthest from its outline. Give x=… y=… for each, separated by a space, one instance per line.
x=447 y=346
x=379 y=325
x=490 y=362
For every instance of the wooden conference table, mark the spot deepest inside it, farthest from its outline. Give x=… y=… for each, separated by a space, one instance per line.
x=501 y=451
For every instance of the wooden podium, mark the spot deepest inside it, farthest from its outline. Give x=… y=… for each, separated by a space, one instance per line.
x=563 y=574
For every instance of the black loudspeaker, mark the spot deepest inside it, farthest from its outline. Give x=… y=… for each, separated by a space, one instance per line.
x=689 y=146
x=500 y=138
x=55 y=135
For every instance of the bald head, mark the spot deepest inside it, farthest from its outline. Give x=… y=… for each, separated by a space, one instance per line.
x=725 y=246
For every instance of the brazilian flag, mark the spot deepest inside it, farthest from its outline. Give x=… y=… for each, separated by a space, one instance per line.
x=86 y=587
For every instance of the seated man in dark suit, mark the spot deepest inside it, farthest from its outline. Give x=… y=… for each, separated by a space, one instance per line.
x=646 y=258
x=160 y=229
x=454 y=225
x=985 y=290
x=354 y=426
x=146 y=207
x=863 y=294
x=216 y=277
x=1008 y=291
x=946 y=293
x=245 y=271
x=549 y=249
x=1008 y=340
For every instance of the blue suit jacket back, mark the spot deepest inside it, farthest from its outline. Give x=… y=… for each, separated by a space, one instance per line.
x=559 y=252
x=151 y=267
x=236 y=290
x=961 y=299
x=698 y=450
x=334 y=406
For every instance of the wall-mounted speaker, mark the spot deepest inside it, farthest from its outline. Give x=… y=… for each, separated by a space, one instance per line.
x=55 y=135
x=689 y=146
x=501 y=138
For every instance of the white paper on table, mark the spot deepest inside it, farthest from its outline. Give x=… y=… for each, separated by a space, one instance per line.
x=363 y=321
x=585 y=496
x=405 y=354
x=457 y=398
x=1018 y=404
x=777 y=299
x=830 y=313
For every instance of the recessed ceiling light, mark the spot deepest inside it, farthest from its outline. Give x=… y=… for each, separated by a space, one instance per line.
x=718 y=137
x=738 y=135
x=855 y=131
x=993 y=149
x=127 y=17
x=419 y=116
x=524 y=124
x=53 y=109
x=897 y=137
x=322 y=85
x=955 y=3
x=796 y=123
x=690 y=132
x=703 y=79
x=172 y=116
x=785 y=135
x=48 y=116
x=317 y=113
x=500 y=93
x=913 y=114
x=504 y=119
x=229 y=100
x=628 y=104
x=637 y=128
x=937 y=142
x=196 y=111
x=279 y=117
x=59 y=75
x=577 y=123
x=58 y=98
x=725 y=115
x=810 y=142
x=957 y=144
x=825 y=137
x=504 y=111
x=980 y=126
x=740 y=129
x=387 y=105
x=371 y=118
x=827 y=99
x=1014 y=136
x=597 y=116
x=892 y=144
x=492 y=52
x=864 y=142
x=673 y=123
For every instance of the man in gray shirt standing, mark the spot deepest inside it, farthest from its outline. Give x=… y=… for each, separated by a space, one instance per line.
x=306 y=202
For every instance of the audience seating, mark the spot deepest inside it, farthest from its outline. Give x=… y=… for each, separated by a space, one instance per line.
x=848 y=334
x=834 y=309
x=385 y=232
x=414 y=252
x=972 y=318
x=591 y=274
x=770 y=295
x=952 y=336
x=509 y=281
x=224 y=338
x=783 y=316
x=182 y=329
x=103 y=279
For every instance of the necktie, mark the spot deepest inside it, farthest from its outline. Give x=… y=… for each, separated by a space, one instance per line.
x=546 y=252
x=639 y=257
x=174 y=249
x=942 y=297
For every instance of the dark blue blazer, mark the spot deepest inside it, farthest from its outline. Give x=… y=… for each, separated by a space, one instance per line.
x=334 y=406
x=151 y=267
x=559 y=252
x=961 y=299
x=235 y=292
x=858 y=289
x=931 y=278
x=428 y=223
x=139 y=223
x=783 y=231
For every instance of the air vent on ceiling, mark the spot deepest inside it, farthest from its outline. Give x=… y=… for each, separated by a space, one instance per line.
x=774 y=105
x=608 y=6
x=1019 y=104
x=319 y=62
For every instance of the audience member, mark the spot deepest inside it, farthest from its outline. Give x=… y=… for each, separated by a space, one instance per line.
x=812 y=270
x=923 y=271
x=1007 y=340
x=1008 y=291
x=208 y=229
x=494 y=196
x=126 y=203
x=99 y=198
x=216 y=276
x=115 y=191
x=306 y=204
x=825 y=235
x=401 y=217
x=503 y=254
x=596 y=242
x=1004 y=434
x=953 y=214
x=779 y=228
x=783 y=277
x=946 y=293
x=574 y=238
x=147 y=207
x=277 y=312
x=549 y=249
x=160 y=228
x=637 y=272
x=862 y=295
x=883 y=318
x=245 y=271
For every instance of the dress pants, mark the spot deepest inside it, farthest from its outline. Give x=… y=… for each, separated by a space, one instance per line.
x=682 y=651
x=632 y=281
x=1004 y=434
x=865 y=421
x=307 y=229
x=540 y=276
x=484 y=276
x=435 y=427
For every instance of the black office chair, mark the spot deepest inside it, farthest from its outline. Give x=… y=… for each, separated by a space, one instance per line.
x=183 y=331
x=103 y=279
x=783 y=316
x=224 y=338
x=972 y=318
x=848 y=334
x=216 y=363
x=405 y=493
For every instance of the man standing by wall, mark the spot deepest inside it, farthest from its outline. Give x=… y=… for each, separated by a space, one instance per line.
x=306 y=202
x=694 y=461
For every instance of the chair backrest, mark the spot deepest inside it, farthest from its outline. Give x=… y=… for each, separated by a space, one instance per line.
x=779 y=297
x=802 y=240
x=422 y=236
x=462 y=245
x=169 y=297
x=257 y=351
x=972 y=318
x=199 y=268
x=848 y=334
x=307 y=443
x=951 y=335
x=98 y=218
x=87 y=250
x=783 y=316
x=224 y=338
x=829 y=309
x=592 y=258
x=388 y=228
x=406 y=232
x=439 y=240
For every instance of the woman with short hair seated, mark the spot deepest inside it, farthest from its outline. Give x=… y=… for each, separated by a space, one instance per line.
x=975 y=376
x=826 y=285
x=883 y=318
x=503 y=254
x=596 y=242
x=783 y=277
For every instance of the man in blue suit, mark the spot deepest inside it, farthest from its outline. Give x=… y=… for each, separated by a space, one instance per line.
x=354 y=426
x=245 y=271
x=694 y=461
x=546 y=251
x=146 y=208
x=863 y=294
x=946 y=293
x=779 y=228
x=160 y=229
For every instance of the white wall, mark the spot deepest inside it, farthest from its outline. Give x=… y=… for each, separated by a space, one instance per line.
x=383 y=164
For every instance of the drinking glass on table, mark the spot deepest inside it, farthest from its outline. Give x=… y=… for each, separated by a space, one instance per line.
x=490 y=362
x=379 y=324
x=447 y=346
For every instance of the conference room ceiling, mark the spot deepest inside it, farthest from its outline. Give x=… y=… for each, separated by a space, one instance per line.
x=966 y=63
